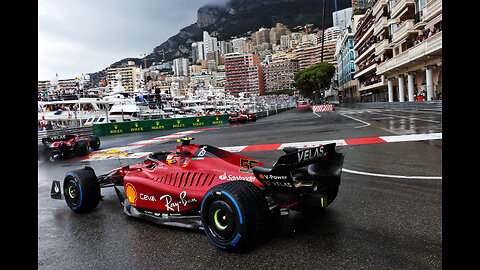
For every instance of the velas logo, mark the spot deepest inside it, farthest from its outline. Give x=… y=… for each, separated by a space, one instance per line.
x=136 y=124
x=115 y=126
x=178 y=121
x=158 y=123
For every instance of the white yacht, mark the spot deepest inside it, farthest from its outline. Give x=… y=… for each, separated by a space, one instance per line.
x=72 y=110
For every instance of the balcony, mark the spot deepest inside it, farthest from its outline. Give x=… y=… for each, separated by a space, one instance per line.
x=365 y=36
x=405 y=29
x=380 y=25
x=381 y=46
x=431 y=47
x=379 y=7
x=399 y=6
x=432 y=9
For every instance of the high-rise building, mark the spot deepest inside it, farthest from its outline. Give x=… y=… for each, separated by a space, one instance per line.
x=342 y=18
x=309 y=55
x=345 y=55
x=278 y=31
x=180 y=66
x=128 y=75
x=279 y=74
x=198 y=51
x=209 y=43
x=240 y=73
x=262 y=36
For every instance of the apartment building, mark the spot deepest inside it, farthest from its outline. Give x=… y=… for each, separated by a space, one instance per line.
x=240 y=73
x=279 y=74
x=345 y=55
x=308 y=54
x=130 y=78
x=409 y=43
x=372 y=86
x=180 y=67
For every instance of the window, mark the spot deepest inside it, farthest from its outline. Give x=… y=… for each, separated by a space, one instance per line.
x=350 y=43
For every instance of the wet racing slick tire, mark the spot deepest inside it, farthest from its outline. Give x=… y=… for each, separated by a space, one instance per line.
x=94 y=142
x=233 y=214
x=81 y=190
x=80 y=148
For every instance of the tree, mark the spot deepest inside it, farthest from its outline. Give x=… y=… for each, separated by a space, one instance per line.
x=315 y=78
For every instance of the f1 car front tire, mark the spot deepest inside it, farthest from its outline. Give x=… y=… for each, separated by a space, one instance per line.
x=81 y=190
x=233 y=214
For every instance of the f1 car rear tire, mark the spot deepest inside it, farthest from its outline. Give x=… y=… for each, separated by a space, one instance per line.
x=233 y=214
x=81 y=190
x=81 y=147
x=94 y=142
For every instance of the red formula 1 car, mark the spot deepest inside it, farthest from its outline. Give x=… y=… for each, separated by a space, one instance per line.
x=241 y=117
x=67 y=145
x=229 y=196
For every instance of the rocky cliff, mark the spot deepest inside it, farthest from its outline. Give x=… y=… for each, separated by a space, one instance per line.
x=238 y=17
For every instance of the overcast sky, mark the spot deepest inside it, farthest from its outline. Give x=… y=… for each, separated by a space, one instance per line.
x=85 y=36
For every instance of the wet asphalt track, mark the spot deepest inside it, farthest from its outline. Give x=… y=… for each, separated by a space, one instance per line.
x=374 y=223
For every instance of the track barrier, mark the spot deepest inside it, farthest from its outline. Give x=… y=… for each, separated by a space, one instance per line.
x=323 y=108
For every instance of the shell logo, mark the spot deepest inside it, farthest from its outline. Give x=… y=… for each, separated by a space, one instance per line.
x=131 y=194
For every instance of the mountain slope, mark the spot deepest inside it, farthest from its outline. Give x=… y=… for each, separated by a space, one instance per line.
x=237 y=18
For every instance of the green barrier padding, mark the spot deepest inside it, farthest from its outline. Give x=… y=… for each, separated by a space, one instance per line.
x=158 y=124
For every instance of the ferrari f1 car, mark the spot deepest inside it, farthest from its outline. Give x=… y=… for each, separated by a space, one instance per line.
x=231 y=197
x=67 y=145
x=241 y=117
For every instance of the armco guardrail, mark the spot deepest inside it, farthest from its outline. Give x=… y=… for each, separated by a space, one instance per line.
x=81 y=131
x=158 y=124
x=433 y=105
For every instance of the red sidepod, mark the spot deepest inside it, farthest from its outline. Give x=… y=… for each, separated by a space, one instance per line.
x=179 y=181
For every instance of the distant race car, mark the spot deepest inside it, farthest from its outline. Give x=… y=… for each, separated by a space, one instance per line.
x=231 y=197
x=67 y=145
x=241 y=117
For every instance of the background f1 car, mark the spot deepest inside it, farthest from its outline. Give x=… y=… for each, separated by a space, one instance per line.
x=67 y=145
x=231 y=197
x=241 y=118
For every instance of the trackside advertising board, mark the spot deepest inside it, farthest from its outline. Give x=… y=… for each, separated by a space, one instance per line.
x=158 y=124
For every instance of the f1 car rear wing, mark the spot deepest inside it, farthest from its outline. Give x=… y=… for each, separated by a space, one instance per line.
x=301 y=171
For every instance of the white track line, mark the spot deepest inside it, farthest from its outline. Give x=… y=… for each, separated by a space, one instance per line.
x=366 y=124
x=392 y=176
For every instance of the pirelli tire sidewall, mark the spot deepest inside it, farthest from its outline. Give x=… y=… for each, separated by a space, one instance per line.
x=233 y=214
x=81 y=190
